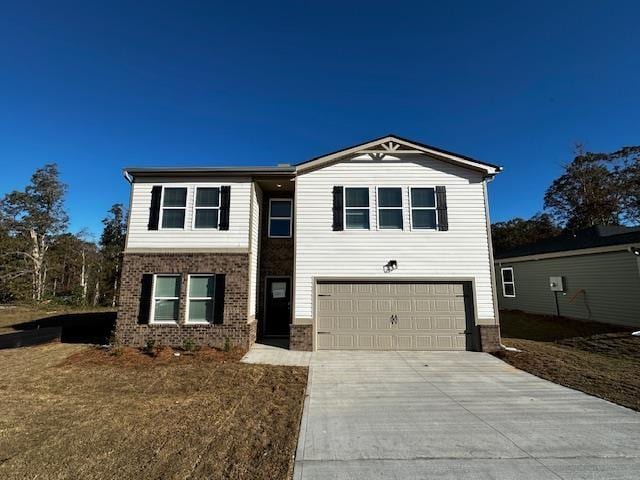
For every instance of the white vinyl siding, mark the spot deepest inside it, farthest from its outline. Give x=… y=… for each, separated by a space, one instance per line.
x=140 y=237
x=254 y=259
x=460 y=252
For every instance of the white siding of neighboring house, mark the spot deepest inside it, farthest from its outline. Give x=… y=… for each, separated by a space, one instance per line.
x=254 y=264
x=237 y=237
x=463 y=251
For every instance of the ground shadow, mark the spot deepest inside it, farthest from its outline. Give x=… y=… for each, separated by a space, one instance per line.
x=547 y=328
x=85 y=327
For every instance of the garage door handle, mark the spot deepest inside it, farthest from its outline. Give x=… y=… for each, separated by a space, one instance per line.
x=324 y=295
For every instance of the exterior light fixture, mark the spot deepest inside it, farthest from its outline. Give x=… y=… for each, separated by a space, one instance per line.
x=635 y=251
x=390 y=266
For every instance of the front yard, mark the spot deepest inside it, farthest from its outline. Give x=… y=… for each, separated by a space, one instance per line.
x=69 y=411
x=598 y=359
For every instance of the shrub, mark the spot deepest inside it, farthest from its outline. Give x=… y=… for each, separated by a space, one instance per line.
x=188 y=345
x=227 y=344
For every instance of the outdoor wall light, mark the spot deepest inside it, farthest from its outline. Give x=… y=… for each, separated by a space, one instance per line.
x=635 y=251
x=390 y=266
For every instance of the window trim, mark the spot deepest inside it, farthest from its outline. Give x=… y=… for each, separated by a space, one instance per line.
x=196 y=207
x=345 y=208
x=290 y=217
x=189 y=298
x=411 y=208
x=512 y=282
x=378 y=207
x=162 y=208
x=152 y=310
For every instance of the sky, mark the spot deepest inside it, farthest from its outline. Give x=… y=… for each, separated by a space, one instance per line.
x=98 y=86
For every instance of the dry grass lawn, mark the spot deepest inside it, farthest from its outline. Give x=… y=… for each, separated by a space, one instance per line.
x=71 y=411
x=598 y=359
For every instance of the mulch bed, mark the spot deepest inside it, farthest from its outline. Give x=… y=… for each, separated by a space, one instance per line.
x=131 y=357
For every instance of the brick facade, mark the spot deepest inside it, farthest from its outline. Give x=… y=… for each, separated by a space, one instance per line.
x=276 y=254
x=301 y=337
x=235 y=326
x=489 y=336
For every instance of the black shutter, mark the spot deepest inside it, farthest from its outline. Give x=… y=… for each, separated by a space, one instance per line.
x=225 y=202
x=218 y=300
x=154 y=209
x=145 y=298
x=441 y=202
x=338 y=206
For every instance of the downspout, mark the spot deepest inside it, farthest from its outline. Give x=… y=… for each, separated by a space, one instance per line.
x=494 y=285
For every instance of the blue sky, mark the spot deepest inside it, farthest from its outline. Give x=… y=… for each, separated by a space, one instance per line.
x=97 y=87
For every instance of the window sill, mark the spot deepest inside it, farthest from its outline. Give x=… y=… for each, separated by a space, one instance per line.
x=174 y=324
x=203 y=322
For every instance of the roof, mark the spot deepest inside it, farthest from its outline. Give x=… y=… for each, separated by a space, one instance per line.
x=387 y=141
x=593 y=237
x=392 y=136
x=318 y=162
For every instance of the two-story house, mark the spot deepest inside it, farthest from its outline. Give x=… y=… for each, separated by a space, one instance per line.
x=383 y=245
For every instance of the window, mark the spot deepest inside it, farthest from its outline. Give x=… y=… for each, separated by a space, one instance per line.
x=200 y=301
x=390 y=208
x=280 y=217
x=508 y=282
x=174 y=204
x=423 y=208
x=356 y=208
x=166 y=299
x=207 y=207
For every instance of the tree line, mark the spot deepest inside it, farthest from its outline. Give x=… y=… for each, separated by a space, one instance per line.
x=41 y=261
x=593 y=189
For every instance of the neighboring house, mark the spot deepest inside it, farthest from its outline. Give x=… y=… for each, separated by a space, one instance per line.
x=592 y=274
x=383 y=245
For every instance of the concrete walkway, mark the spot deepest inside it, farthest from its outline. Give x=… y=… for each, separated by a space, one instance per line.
x=455 y=415
x=276 y=355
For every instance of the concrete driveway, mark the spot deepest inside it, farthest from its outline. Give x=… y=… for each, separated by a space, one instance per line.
x=455 y=415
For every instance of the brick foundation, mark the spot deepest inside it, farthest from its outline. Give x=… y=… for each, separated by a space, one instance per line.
x=489 y=336
x=235 y=327
x=301 y=338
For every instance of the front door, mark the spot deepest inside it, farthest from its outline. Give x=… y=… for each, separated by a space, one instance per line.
x=278 y=306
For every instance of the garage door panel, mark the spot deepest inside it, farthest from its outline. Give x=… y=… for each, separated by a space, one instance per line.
x=388 y=316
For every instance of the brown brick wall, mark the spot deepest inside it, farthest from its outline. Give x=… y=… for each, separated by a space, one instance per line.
x=276 y=254
x=489 y=338
x=235 y=326
x=301 y=338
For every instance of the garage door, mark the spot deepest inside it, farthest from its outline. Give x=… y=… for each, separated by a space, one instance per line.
x=391 y=316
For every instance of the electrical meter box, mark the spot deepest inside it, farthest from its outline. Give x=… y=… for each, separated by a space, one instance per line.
x=556 y=284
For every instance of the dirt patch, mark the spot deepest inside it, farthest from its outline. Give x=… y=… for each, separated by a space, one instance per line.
x=74 y=412
x=598 y=359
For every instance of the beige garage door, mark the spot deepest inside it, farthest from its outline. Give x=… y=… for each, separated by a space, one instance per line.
x=391 y=316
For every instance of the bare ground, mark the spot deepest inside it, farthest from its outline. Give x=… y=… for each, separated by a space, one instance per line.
x=75 y=412
x=598 y=359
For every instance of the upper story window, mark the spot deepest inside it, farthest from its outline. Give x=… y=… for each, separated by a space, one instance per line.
x=174 y=205
x=200 y=301
x=280 y=217
x=508 y=282
x=207 y=208
x=390 y=208
x=423 y=208
x=166 y=299
x=356 y=208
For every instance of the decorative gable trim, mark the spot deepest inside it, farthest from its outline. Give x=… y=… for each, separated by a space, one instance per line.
x=386 y=148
